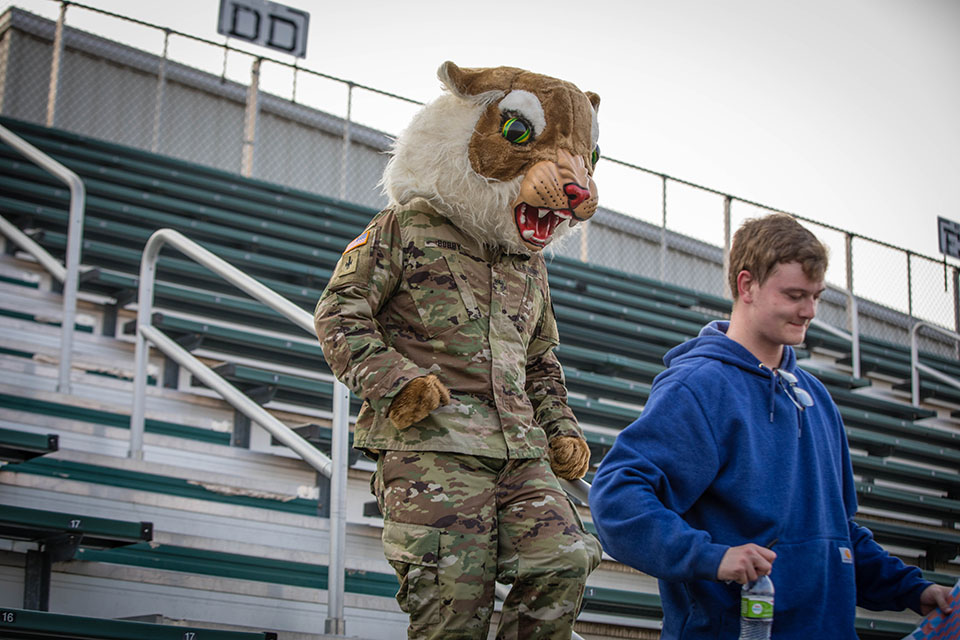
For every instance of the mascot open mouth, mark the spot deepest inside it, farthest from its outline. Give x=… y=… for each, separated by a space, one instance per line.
x=537 y=224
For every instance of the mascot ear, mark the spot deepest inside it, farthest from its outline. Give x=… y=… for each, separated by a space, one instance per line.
x=469 y=84
x=594 y=100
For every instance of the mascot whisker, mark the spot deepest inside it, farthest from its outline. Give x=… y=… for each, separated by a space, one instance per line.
x=438 y=315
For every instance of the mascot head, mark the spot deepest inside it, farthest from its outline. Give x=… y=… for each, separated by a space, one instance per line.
x=506 y=154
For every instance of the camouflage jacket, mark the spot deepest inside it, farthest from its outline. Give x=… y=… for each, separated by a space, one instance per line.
x=412 y=295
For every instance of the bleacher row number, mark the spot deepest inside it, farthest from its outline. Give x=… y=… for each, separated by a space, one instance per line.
x=75 y=524
x=190 y=635
x=8 y=617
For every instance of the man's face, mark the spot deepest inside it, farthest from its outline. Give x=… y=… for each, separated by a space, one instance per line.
x=783 y=306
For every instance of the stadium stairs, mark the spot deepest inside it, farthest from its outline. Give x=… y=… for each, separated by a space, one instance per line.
x=218 y=528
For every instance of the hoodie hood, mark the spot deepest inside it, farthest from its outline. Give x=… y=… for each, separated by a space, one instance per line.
x=713 y=343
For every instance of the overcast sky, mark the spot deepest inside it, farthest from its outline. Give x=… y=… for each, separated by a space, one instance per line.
x=844 y=111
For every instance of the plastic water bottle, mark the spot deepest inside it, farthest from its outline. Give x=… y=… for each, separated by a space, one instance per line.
x=756 y=609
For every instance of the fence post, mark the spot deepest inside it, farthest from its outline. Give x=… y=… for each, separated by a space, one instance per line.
x=956 y=304
x=250 y=120
x=909 y=284
x=663 y=234
x=727 y=200
x=345 y=151
x=56 y=65
x=161 y=89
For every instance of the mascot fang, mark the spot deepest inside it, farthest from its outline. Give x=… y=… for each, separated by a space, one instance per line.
x=438 y=315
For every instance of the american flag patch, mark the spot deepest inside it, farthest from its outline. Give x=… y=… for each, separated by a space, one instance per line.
x=359 y=241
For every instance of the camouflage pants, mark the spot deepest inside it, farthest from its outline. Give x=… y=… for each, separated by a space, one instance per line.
x=453 y=524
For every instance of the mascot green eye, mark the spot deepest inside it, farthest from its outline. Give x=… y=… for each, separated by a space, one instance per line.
x=516 y=131
x=595 y=156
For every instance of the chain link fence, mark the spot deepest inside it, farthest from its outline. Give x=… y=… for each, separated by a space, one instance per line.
x=223 y=106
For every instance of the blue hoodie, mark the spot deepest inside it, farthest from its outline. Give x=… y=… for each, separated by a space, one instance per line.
x=721 y=457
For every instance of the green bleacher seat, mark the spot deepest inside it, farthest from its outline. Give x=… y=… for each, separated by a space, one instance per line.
x=931 y=390
x=61 y=536
x=22 y=624
x=883 y=445
x=890 y=408
x=945 y=509
x=894 y=426
x=17 y=445
x=939 y=545
x=871 y=467
x=20 y=523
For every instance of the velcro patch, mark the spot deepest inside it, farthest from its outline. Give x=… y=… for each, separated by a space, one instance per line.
x=359 y=241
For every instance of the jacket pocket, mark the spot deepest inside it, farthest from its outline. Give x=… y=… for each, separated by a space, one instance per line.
x=441 y=295
x=413 y=551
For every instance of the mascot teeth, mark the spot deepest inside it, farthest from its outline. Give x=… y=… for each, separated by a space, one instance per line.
x=544 y=212
x=528 y=234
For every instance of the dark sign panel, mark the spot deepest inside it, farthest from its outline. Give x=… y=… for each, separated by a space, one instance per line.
x=265 y=23
x=949 y=233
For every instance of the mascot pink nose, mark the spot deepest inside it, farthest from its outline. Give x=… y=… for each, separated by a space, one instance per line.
x=576 y=194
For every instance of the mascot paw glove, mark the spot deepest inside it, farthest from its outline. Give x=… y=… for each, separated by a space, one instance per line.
x=416 y=401
x=569 y=457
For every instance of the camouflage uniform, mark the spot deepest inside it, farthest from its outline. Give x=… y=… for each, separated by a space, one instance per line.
x=475 y=497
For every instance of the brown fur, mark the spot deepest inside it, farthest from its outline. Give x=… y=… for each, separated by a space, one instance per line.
x=569 y=457
x=416 y=400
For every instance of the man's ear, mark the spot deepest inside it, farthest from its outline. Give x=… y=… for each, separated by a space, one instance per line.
x=745 y=286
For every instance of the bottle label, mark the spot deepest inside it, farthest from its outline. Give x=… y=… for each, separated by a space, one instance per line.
x=756 y=608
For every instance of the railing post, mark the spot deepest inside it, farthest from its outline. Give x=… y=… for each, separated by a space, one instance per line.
x=56 y=66
x=250 y=120
x=335 y=623
x=148 y=272
x=727 y=201
x=345 y=151
x=71 y=277
x=914 y=370
x=161 y=90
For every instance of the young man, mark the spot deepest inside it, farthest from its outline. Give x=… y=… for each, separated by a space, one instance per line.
x=738 y=448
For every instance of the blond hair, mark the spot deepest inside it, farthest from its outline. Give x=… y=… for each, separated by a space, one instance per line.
x=760 y=244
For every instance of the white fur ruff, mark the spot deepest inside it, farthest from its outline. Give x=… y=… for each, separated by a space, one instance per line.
x=430 y=160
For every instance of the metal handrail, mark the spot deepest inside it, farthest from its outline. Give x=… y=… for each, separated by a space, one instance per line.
x=916 y=366
x=335 y=468
x=71 y=276
x=854 y=335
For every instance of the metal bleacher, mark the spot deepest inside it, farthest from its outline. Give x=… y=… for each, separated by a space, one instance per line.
x=240 y=519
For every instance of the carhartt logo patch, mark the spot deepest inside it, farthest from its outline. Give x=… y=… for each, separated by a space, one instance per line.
x=846 y=556
x=359 y=241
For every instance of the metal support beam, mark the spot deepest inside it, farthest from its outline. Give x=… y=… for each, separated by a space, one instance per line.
x=36 y=581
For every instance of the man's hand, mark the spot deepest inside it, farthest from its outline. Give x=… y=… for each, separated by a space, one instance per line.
x=935 y=597
x=746 y=563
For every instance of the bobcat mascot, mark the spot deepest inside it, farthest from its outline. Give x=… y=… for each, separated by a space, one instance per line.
x=438 y=315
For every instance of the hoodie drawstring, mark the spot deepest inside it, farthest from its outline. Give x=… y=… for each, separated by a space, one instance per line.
x=773 y=393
